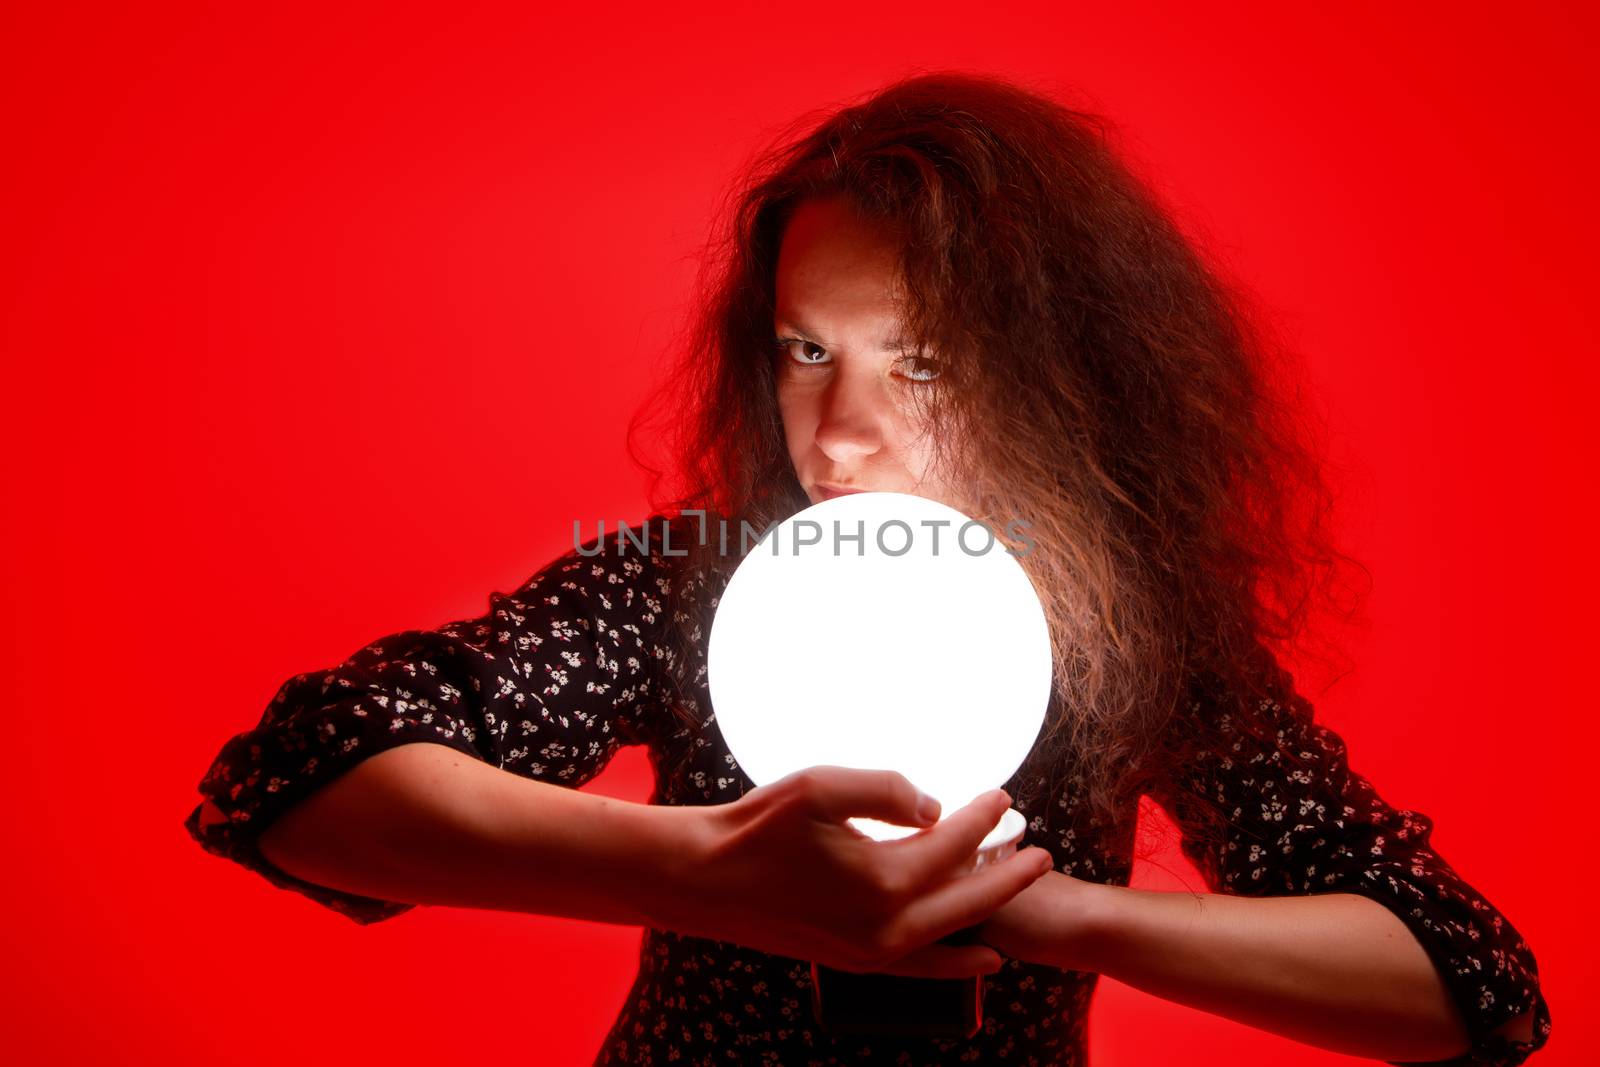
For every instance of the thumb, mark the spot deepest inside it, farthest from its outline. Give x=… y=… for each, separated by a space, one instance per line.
x=841 y=793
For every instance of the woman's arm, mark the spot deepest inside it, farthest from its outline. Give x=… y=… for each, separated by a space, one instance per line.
x=1300 y=836
x=425 y=824
x=777 y=870
x=1336 y=970
x=440 y=767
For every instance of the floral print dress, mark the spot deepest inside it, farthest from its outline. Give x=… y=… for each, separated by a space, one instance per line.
x=559 y=674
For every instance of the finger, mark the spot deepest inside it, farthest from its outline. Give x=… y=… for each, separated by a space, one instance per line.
x=970 y=899
x=945 y=961
x=934 y=853
x=842 y=793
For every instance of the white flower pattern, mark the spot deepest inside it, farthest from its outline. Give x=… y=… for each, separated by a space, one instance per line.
x=587 y=635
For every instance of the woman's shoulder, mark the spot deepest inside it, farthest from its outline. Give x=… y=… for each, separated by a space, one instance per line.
x=621 y=563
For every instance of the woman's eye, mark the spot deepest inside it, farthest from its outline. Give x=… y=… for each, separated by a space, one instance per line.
x=920 y=368
x=799 y=352
x=809 y=351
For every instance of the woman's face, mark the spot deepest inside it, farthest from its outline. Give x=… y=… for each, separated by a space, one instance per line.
x=846 y=385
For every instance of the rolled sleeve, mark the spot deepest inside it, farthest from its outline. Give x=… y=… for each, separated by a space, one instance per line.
x=548 y=683
x=322 y=724
x=1299 y=821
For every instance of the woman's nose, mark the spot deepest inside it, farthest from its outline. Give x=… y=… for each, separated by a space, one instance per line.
x=850 y=425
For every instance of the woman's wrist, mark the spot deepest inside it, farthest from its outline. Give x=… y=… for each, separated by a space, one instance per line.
x=675 y=845
x=1095 y=926
x=1059 y=921
x=1089 y=916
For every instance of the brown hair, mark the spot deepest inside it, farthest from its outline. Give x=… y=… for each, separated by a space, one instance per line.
x=1125 y=401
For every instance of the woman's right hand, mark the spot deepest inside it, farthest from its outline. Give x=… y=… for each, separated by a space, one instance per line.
x=782 y=871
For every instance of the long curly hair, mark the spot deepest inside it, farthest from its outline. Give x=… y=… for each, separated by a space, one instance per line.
x=1122 y=397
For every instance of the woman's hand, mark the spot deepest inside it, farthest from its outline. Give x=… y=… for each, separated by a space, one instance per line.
x=780 y=870
x=1049 y=922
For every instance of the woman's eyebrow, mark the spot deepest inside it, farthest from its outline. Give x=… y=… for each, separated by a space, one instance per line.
x=790 y=324
x=897 y=343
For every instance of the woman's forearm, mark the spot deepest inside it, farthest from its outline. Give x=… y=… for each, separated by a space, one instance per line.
x=1336 y=970
x=1339 y=971
x=777 y=870
x=425 y=824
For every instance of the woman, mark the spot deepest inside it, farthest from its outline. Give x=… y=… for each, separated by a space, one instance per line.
x=952 y=289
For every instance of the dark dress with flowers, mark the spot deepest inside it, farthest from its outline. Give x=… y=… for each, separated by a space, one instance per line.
x=559 y=674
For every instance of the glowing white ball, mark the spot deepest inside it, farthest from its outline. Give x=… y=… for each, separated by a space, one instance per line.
x=919 y=647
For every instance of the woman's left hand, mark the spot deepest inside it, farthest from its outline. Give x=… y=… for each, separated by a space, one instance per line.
x=1046 y=923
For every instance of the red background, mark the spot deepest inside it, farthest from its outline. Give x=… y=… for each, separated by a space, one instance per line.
x=321 y=325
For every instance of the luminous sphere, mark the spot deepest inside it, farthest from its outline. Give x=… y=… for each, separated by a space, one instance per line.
x=881 y=631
